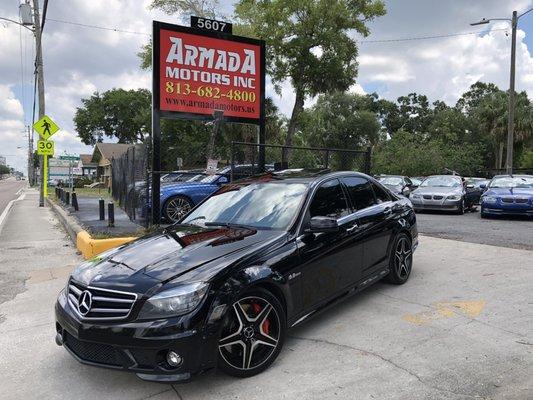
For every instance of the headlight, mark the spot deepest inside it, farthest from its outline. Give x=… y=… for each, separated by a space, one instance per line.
x=489 y=199
x=176 y=301
x=414 y=196
x=453 y=197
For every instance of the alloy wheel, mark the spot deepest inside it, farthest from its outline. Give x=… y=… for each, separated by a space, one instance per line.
x=177 y=208
x=251 y=334
x=403 y=258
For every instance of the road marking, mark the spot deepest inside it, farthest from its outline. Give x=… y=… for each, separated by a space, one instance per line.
x=8 y=207
x=446 y=309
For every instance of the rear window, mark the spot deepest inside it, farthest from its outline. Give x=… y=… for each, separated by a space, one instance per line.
x=360 y=191
x=381 y=194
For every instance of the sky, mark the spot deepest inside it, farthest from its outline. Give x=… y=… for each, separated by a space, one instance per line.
x=79 y=60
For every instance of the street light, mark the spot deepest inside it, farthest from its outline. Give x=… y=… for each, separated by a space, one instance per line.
x=510 y=123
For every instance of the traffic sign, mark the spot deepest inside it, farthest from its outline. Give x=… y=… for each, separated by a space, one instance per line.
x=45 y=147
x=45 y=127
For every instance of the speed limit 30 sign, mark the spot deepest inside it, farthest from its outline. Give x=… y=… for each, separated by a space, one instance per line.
x=45 y=147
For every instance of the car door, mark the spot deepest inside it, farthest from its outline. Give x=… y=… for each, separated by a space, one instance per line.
x=375 y=215
x=326 y=257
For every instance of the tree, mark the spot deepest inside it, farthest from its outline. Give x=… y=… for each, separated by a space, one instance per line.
x=4 y=169
x=341 y=120
x=309 y=42
x=183 y=8
x=118 y=113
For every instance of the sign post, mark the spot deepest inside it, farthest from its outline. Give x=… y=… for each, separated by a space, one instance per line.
x=202 y=72
x=45 y=127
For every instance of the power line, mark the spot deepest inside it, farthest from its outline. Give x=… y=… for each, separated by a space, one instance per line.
x=105 y=28
x=430 y=37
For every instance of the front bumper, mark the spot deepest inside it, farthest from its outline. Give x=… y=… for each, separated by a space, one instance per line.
x=444 y=205
x=138 y=347
x=506 y=209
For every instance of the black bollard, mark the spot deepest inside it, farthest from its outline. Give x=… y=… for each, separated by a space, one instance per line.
x=67 y=198
x=61 y=198
x=111 y=214
x=75 y=201
x=101 y=205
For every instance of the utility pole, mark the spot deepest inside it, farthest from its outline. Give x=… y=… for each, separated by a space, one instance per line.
x=510 y=125
x=30 y=155
x=40 y=86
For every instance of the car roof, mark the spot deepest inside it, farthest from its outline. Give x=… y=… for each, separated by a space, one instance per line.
x=513 y=176
x=307 y=176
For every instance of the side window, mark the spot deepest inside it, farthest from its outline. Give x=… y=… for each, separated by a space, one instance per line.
x=360 y=192
x=329 y=201
x=381 y=194
x=408 y=182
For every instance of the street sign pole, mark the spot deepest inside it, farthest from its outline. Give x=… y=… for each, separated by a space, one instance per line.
x=45 y=176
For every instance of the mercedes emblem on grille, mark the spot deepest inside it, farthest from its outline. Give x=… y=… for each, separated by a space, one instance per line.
x=84 y=302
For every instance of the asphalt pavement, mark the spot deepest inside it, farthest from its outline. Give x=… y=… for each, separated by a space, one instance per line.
x=8 y=191
x=460 y=328
x=514 y=232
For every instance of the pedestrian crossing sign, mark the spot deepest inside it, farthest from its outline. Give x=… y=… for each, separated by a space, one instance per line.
x=45 y=127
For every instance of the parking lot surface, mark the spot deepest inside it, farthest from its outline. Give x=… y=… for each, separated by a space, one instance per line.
x=506 y=231
x=460 y=328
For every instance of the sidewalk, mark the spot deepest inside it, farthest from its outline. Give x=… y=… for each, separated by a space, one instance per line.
x=89 y=217
x=36 y=257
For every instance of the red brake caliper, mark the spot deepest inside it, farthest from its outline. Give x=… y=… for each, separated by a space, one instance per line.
x=266 y=324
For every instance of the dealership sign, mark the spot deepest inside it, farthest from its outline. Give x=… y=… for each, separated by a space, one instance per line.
x=197 y=72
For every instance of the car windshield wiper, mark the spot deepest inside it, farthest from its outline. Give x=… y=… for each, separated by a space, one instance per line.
x=231 y=225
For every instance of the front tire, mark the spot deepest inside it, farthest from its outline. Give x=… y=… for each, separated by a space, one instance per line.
x=252 y=335
x=400 y=260
x=176 y=207
x=462 y=207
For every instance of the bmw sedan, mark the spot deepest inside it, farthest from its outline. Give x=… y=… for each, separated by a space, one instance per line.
x=440 y=192
x=222 y=286
x=508 y=195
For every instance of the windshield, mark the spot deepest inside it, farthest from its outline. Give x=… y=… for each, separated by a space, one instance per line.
x=512 y=182
x=270 y=205
x=391 y=180
x=441 y=181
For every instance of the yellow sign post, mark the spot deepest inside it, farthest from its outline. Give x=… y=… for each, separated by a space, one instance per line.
x=45 y=127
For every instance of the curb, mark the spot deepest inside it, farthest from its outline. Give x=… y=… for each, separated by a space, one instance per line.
x=71 y=225
x=90 y=247
x=86 y=245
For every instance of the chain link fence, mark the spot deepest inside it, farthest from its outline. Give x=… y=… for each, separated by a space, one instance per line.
x=129 y=183
x=244 y=154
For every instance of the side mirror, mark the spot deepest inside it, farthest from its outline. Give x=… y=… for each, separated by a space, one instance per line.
x=323 y=224
x=483 y=186
x=223 y=180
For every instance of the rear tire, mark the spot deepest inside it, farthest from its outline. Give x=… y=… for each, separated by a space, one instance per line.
x=249 y=341
x=400 y=260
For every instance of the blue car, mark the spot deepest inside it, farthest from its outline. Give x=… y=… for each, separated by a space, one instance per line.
x=508 y=195
x=179 y=198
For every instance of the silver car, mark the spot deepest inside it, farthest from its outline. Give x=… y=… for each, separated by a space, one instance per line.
x=440 y=192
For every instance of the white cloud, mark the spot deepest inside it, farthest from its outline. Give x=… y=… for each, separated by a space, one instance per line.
x=79 y=60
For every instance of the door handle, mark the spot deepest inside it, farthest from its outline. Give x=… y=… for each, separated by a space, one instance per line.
x=352 y=228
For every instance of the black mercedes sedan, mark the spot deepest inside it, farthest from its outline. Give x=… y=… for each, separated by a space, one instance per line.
x=221 y=287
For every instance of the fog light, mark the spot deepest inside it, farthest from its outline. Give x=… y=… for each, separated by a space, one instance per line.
x=174 y=359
